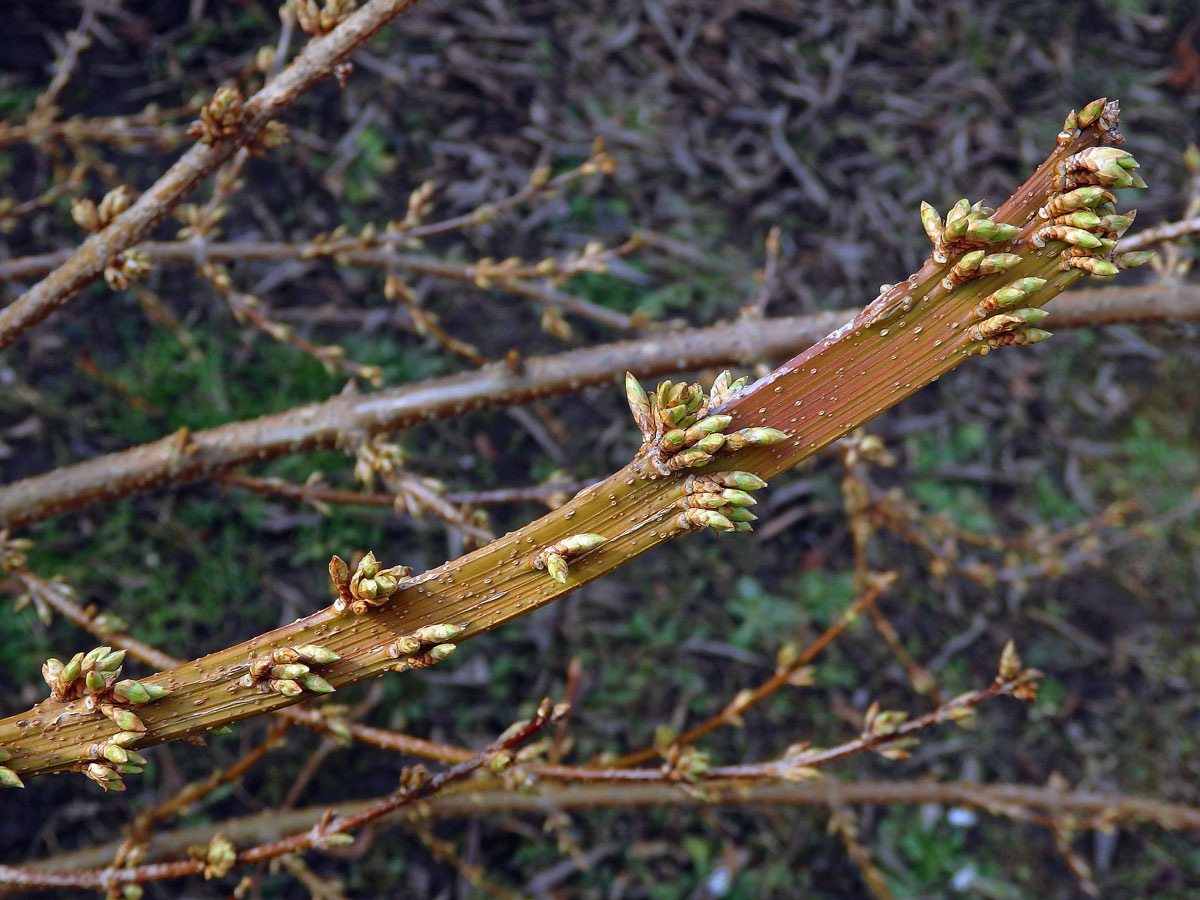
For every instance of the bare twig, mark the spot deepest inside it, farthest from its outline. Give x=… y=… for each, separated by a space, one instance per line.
x=321 y=425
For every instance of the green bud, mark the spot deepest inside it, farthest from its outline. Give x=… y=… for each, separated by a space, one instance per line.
x=366 y=588
x=743 y=481
x=931 y=221
x=959 y=211
x=708 y=425
x=741 y=527
x=317 y=684
x=339 y=572
x=710 y=443
x=287 y=687
x=114 y=754
x=707 y=501
x=52 y=670
x=999 y=262
x=1036 y=335
x=125 y=738
x=96 y=653
x=72 y=670
x=737 y=514
x=442 y=651
x=674 y=414
x=673 y=439
x=111 y=662
x=557 y=567
x=1079 y=238
x=691 y=458
x=717 y=522
x=221 y=730
x=639 y=403
x=369 y=567
x=403 y=646
x=981 y=230
x=126 y=719
x=582 y=543
x=129 y=769
x=386 y=583
x=763 y=437
x=341 y=839
x=94 y=681
x=1083 y=218
x=136 y=758
x=738 y=498
x=155 y=692
x=9 y=778
x=437 y=634
x=1091 y=112
x=1133 y=258
x=289 y=672
x=131 y=690
x=317 y=655
x=1030 y=316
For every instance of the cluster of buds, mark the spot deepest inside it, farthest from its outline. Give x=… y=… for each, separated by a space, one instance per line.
x=317 y=19
x=1013 y=671
x=287 y=671
x=90 y=217
x=434 y=637
x=8 y=778
x=553 y=559
x=114 y=757
x=126 y=266
x=12 y=552
x=1107 y=167
x=371 y=585
x=881 y=723
x=966 y=227
x=377 y=456
x=220 y=117
x=685 y=764
x=677 y=430
x=719 y=500
x=267 y=138
x=1101 y=113
x=218 y=856
x=977 y=264
x=1082 y=215
x=92 y=677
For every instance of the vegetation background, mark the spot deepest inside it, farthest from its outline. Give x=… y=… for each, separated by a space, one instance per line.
x=829 y=120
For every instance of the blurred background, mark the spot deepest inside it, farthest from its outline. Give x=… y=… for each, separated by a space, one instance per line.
x=829 y=121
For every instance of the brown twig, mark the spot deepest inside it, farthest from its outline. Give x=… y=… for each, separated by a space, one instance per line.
x=87 y=263
x=275 y=487
x=319 y=835
x=784 y=674
x=321 y=425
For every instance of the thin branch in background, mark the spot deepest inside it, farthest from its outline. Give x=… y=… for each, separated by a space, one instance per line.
x=74 y=43
x=247 y=308
x=323 y=425
x=768 y=278
x=786 y=672
x=552 y=493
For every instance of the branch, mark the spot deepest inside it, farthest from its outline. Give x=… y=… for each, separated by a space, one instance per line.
x=322 y=425
x=385 y=621
x=315 y=63
x=1103 y=810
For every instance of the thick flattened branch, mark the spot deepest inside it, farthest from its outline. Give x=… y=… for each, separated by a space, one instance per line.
x=703 y=454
